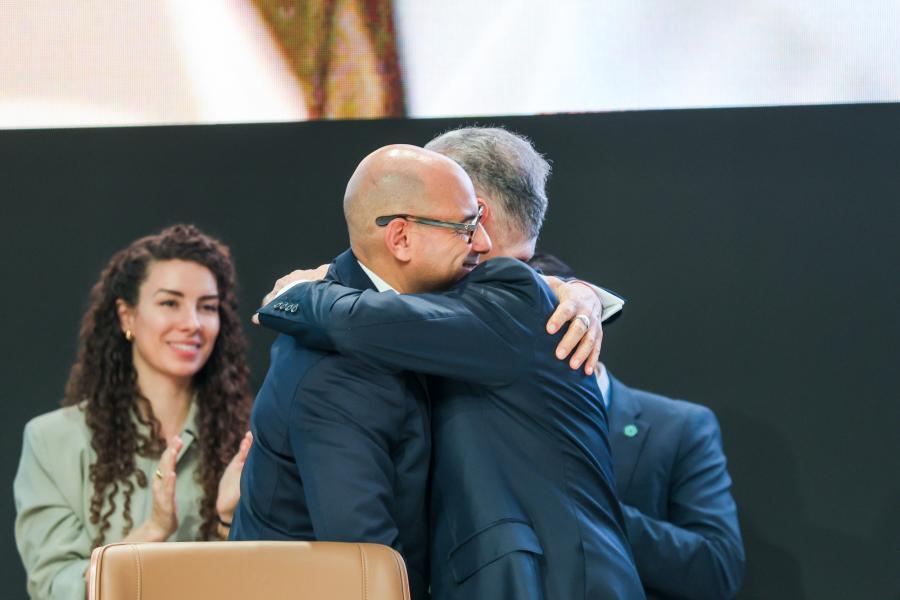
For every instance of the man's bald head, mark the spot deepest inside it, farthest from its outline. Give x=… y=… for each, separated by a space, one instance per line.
x=432 y=248
x=397 y=179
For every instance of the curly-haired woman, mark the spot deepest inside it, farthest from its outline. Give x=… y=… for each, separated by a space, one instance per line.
x=151 y=440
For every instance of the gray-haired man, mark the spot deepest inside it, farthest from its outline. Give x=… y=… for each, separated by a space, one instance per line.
x=510 y=178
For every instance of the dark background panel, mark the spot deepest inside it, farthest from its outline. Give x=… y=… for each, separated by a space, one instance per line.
x=758 y=250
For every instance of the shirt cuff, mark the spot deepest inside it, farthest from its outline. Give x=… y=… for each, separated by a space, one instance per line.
x=611 y=303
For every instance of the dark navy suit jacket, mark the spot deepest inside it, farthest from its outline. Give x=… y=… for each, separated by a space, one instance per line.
x=340 y=451
x=675 y=490
x=523 y=501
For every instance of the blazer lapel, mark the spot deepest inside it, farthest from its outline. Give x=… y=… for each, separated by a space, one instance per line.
x=627 y=432
x=346 y=270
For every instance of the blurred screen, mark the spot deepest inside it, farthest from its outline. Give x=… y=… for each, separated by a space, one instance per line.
x=77 y=63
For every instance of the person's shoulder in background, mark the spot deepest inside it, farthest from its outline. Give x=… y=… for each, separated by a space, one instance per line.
x=61 y=429
x=56 y=443
x=669 y=410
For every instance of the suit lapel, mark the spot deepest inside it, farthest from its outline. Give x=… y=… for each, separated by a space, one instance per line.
x=627 y=432
x=346 y=270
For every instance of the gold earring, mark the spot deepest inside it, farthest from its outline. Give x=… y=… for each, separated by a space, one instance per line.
x=129 y=335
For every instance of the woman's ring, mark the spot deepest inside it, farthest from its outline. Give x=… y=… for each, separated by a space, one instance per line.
x=158 y=474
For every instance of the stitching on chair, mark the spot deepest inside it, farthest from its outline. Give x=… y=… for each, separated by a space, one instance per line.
x=94 y=583
x=139 y=565
x=362 y=556
x=401 y=575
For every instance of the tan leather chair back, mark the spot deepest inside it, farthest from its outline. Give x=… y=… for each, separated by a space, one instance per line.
x=247 y=570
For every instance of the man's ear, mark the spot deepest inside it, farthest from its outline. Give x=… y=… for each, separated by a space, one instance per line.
x=397 y=239
x=486 y=214
x=126 y=315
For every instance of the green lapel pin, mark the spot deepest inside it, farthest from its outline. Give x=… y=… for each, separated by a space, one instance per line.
x=630 y=430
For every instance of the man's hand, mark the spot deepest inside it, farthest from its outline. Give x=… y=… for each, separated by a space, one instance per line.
x=294 y=276
x=580 y=304
x=290 y=278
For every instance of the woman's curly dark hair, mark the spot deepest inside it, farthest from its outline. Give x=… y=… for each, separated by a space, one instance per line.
x=103 y=378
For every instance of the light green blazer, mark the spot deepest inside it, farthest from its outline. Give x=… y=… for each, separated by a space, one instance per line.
x=53 y=498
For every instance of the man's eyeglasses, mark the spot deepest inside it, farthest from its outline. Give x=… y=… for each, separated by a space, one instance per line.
x=468 y=229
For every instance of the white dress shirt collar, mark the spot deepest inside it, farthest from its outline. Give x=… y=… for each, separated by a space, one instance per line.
x=380 y=284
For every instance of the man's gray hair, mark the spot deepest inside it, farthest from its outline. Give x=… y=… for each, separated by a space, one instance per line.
x=505 y=167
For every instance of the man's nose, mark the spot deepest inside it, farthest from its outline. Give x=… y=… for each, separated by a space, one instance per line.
x=481 y=242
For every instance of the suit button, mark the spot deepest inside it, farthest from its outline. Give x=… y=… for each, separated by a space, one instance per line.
x=294 y=307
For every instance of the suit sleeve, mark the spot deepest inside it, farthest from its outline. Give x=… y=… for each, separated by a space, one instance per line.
x=51 y=539
x=342 y=452
x=474 y=338
x=698 y=552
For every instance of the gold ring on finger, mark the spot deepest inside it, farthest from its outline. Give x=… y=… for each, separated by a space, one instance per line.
x=158 y=474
